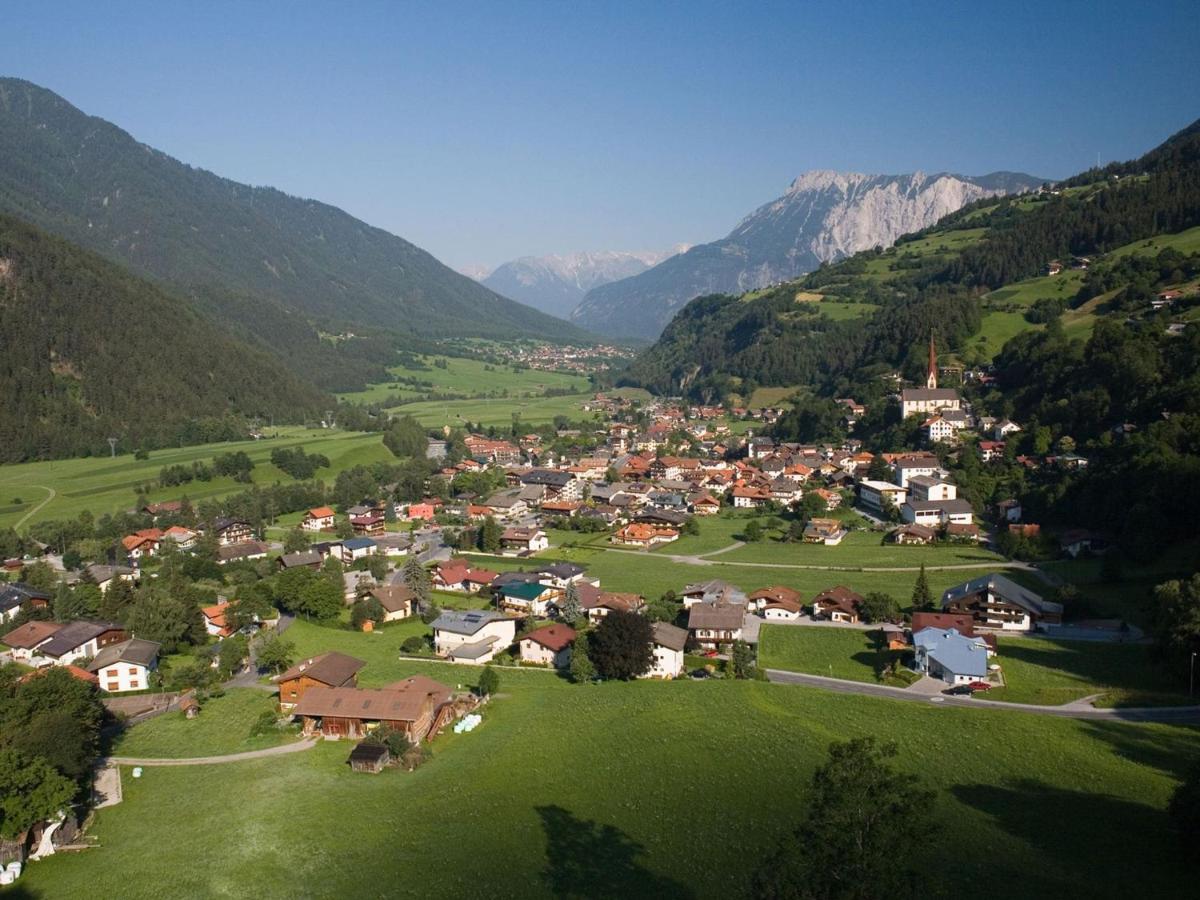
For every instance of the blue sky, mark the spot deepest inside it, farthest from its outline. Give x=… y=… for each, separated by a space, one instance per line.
x=488 y=131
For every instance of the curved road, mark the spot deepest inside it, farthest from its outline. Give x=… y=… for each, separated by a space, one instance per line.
x=1076 y=710
x=297 y=747
x=51 y=493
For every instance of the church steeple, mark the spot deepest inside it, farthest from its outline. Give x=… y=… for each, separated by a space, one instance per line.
x=931 y=375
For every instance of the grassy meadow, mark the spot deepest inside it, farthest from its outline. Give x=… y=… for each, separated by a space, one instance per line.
x=664 y=789
x=470 y=376
x=222 y=726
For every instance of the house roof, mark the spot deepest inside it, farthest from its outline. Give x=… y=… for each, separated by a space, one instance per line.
x=474 y=649
x=29 y=635
x=949 y=507
x=135 y=651
x=331 y=668
x=776 y=593
x=394 y=597
x=963 y=623
x=387 y=704
x=841 y=597
x=561 y=570
x=13 y=595
x=423 y=684
x=1005 y=588
x=719 y=616
x=321 y=512
x=364 y=752
x=553 y=637
x=242 y=550
x=468 y=622
x=358 y=543
x=101 y=573
x=523 y=590
x=623 y=602
x=300 y=558
x=670 y=636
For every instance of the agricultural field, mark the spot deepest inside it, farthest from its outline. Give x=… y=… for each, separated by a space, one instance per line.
x=471 y=377
x=840 y=312
x=818 y=650
x=863 y=549
x=527 y=804
x=57 y=489
x=498 y=411
x=1185 y=242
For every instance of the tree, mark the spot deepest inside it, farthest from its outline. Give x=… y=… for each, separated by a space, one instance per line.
x=1176 y=621
x=922 y=596
x=879 y=607
x=489 y=681
x=621 y=646
x=276 y=654
x=366 y=609
x=162 y=616
x=416 y=578
x=39 y=575
x=31 y=791
x=858 y=833
x=232 y=654
x=343 y=530
x=741 y=660
x=582 y=671
x=489 y=536
x=296 y=541
x=571 y=609
x=321 y=599
x=753 y=532
x=879 y=470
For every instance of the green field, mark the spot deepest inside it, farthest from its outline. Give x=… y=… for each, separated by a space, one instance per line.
x=818 y=650
x=223 y=726
x=863 y=548
x=664 y=789
x=471 y=377
x=998 y=329
x=103 y=485
x=1185 y=242
x=498 y=411
x=840 y=312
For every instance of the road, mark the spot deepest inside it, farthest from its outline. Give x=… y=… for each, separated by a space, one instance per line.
x=297 y=747
x=1077 y=710
x=51 y=493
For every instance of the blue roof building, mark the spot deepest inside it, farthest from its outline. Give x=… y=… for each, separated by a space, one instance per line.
x=954 y=658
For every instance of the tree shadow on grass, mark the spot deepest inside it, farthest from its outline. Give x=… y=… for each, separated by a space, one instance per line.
x=1173 y=750
x=587 y=859
x=1127 y=666
x=1109 y=843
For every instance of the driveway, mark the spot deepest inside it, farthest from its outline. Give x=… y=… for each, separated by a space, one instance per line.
x=1076 y=710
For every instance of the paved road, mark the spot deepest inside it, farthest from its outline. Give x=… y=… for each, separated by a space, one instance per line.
x=1076 y=710
x=297 y=747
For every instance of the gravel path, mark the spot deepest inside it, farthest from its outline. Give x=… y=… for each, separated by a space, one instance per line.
x=297 y=747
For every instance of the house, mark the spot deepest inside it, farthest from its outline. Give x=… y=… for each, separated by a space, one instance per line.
x=928 y=400
x=458 y=575
x=231 y=531
x=14 y=596
x=823 y=531
x=938 y=428
x=320 y=518
x=714 y=591
x=996 y=601
x=927 y=487
x=1080 y=540
x=1004 y=428
x=165 y=508
x=125 y=666
x=526 y=598
x=369 y=757
x=422 y=511
x=894 y=637
x=914 y=534
x=832 y=498
x=713 y=624
x=105 y=577
x=935 y=513
x=473 y=637
x=357 y=548
x=79 y=640
x=141 y=543
x=963 y=623
x=560 y=484
x=749 y=497
x=414 y=707
x=597 y=604
x=904 y=470
x=876 y=495
x=24 y=640
x=758 y=600
x=1009 y=510
x=705 y=504
x=837 y=604
x=644 y=534
x=368 y=525
x=519 y=541
x=549 y=645
x=184 y=538
x=397 y=601
x=301 y=559
x=947 y=655
x=242 y=552
x=962 y=533
x=326 y=670
x=561 y=575
x=990 y=450
x=668 y=643
x=216 y=622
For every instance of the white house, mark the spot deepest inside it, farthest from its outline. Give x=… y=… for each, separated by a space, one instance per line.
x=928 y=400
x=913 y=467
x=954 y=658
x=125 y=666
x=523 y=540
x=927 y=487
x=78 y=640
x=549 y=645
x=667 y=646
x=871 y=494
x=473 y=637
x=357 y=548
x=320 y=518
x=935 y=513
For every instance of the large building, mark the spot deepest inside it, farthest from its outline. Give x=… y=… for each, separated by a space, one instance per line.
x=996 y=601
x=931 y=398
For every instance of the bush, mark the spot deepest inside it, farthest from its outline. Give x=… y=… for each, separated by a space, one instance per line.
x=265 y=724
x=414 y=644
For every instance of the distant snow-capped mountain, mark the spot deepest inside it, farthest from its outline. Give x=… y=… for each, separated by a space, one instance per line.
x=822 y=217
x=556 y=284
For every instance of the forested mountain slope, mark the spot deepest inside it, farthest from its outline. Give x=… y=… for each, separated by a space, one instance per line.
x=92 y=352
x=89 y=181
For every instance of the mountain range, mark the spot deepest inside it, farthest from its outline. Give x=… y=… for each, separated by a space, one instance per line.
x=259 y=256
x=823 y=216
x=557 y=284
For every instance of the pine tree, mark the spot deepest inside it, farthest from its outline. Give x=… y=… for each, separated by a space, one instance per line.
x=582 y=670
x=922 y=596
x=416 y=579
x=571 y=610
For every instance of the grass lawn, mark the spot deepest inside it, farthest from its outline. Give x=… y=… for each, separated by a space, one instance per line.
x=104 y=485
x=862 y=548
x=818 y=650
x=839 y=312
x=1056 y=672
x=223 y=726
x=998 y=329
x=671 y=789
x=498 y=411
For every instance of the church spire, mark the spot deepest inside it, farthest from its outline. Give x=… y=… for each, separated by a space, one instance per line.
x=931 y=375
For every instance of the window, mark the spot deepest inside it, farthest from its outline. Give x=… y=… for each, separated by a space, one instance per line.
x=112 y=686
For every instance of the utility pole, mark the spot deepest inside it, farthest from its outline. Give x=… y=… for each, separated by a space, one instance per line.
x=112 y=446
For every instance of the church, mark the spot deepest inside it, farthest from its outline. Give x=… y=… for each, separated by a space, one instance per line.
x=931 y=398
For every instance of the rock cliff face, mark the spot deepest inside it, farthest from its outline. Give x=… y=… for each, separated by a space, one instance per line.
x=822 y=217
x=556 y=284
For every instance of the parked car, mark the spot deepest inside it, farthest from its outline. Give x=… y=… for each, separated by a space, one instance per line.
x=958 y=690
x=979 y=686
x=701 y=674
